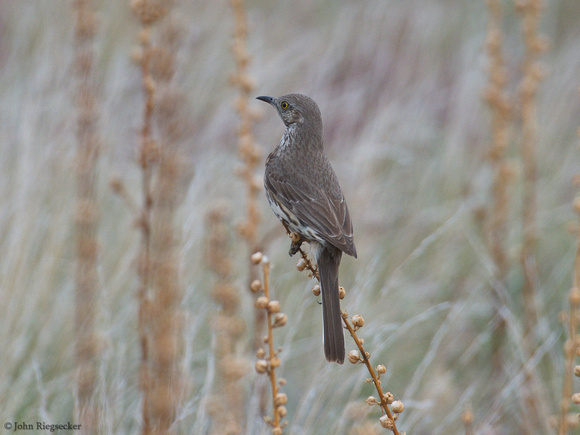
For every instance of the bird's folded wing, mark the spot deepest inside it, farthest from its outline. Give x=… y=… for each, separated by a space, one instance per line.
x=325 y=215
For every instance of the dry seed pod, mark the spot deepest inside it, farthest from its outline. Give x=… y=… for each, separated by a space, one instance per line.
x=574 y=296
x=262 y=302
x=261 y=366
x=386 y=422
x=281 y=399
x=467 y=416
x=371 y=401
x=354 y=356
x=280 y=319
x=256 y=286
x=572 y=419
x=301 y=265
x=274 y=307
x=358 y=321
x=397 y=406
x=256 y=257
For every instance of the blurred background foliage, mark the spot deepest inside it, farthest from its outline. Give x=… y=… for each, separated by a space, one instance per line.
x=399 y=85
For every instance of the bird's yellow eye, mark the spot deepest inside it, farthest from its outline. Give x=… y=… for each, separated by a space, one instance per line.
x=284 y=105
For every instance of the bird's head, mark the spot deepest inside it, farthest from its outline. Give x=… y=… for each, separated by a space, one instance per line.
x=296 y=109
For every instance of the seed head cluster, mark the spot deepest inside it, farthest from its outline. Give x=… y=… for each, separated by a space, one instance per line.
x=268 y=359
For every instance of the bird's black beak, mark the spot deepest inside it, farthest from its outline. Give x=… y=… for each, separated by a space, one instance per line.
x=268 y=100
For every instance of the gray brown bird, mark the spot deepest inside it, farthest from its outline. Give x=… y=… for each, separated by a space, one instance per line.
x=304 y=193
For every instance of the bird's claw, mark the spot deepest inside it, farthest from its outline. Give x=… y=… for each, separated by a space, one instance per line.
x=295 y=245
x=294 y=248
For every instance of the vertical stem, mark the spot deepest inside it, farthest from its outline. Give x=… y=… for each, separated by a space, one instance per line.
x=571 y=345
x=383 y=404
x=249 y=152
x=529 y=86
x=500 y=112
x=272 y=371
x=144 y=270
x=530 y=10
x=226 y=404
x=166 y=325
x=86 y=219
x=569 y=352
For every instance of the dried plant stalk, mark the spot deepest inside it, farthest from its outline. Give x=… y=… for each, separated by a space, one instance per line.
x=532 y=75
x=146 y=159
x=498 y=101
x=227 y=403
x=268 y=360
x=250 y=155
x=165 y=314
x=160 y=290
x=86 y=221
x=572 y=344
x=249 y=152
x=570 y=350
x=168 y=381
x=385 y=399
x=467 y=420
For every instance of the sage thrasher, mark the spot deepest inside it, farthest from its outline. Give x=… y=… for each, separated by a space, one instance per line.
x=304 y=193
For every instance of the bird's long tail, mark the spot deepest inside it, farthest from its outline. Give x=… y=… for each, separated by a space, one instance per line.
x=328 y=262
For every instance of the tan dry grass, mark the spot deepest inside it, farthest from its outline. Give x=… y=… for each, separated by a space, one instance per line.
x=226 y=404
x=86 y=218
x=408 y=136
x=569 y=420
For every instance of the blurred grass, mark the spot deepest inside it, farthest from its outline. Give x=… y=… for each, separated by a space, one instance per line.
x=399 y=86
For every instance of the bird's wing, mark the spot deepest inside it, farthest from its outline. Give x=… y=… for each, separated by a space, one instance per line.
x=325 y=214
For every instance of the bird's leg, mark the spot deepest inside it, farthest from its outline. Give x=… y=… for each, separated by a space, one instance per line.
x=296 y=246
x=296 y=240
x=296 y=243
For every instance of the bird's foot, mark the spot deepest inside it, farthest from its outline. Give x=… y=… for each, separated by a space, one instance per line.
x=296 y=243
